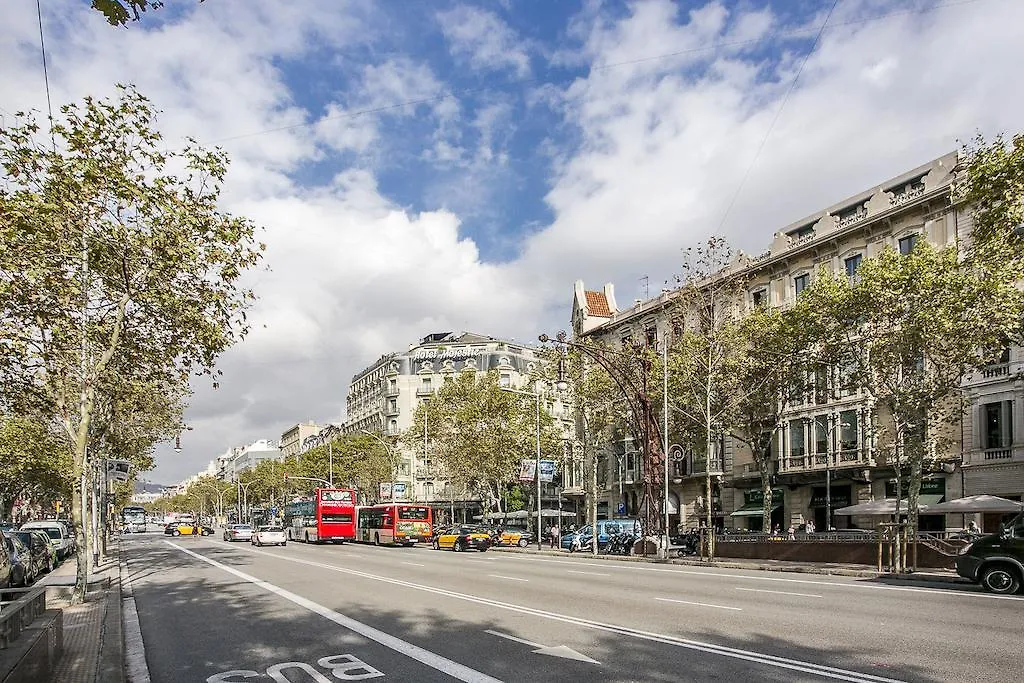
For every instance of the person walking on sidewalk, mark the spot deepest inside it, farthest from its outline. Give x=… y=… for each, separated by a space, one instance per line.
x=553 y=536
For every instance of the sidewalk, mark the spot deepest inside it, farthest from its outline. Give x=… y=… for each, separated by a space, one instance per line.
x=93 y=646
x=931 y=575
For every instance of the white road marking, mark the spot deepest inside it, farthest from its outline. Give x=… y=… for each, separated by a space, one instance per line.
x=431 y=659
x=510 y=578
x=724 y=651
x=761 y=590
x=573 y=571
x=507 y=636
x=699 y=604
x=415 y=564
x=719 y=575
x=136 y=669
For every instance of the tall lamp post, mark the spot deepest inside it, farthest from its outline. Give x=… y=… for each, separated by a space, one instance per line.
x=391 y=458
x=244 y=498
x=832 y=424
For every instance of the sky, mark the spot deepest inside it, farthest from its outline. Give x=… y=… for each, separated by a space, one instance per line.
x=442 y=166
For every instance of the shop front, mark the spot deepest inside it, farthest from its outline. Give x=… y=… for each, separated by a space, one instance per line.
x=750 y=516
x=933 y=490
x=824 y=500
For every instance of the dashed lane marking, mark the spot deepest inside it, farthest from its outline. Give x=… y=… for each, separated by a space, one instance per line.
x=699 y=604
x=759 y=590
x=434 y=661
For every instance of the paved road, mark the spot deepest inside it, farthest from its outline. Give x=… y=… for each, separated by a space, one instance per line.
x=352 y=612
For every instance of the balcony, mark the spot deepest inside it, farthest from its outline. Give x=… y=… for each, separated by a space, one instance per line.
x=424 y=391
x=998 y=454
x=391 y=411
x=850 y=457
x=391 y=392
x=994 y=371
x=699 y=467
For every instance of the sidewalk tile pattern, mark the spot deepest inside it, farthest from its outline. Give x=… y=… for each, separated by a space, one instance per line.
x=83 y=626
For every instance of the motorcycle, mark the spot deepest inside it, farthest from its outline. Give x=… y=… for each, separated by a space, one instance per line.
x=686 y=545
x=582 y=544
x=621 y=544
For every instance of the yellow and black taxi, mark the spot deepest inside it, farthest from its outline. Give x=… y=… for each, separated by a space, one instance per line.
x=519 y=537
x=463 y=537
x=187 y=529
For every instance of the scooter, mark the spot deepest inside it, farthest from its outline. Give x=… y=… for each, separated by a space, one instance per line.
x=685 y=545
x=582 y=544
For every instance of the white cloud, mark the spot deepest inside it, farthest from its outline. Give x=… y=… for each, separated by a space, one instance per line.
x=483 y=41
x=657 y=149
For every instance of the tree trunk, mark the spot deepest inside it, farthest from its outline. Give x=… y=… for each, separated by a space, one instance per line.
x=80 y=522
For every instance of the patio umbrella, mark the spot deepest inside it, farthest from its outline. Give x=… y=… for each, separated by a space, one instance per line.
x=980 y=503
x=884 y=508
x=518 y=514
x=552 y=513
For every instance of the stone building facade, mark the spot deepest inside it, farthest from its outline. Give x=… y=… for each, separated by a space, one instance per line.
x=833 y=435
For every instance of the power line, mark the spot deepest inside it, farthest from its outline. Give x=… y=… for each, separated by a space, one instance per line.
x=46 y=77
x=778 y=113
x=782 y=35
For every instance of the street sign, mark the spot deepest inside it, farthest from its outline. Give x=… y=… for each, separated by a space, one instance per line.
x=620 y=509
x=118 y=469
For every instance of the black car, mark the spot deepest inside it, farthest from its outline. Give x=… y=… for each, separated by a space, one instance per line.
x=23 y=569
x=38 y=545
x=996 y=561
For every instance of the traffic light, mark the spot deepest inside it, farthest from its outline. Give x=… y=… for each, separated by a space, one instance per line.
x=285 y=477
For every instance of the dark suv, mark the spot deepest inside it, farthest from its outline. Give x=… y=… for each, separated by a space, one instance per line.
x=996 y=561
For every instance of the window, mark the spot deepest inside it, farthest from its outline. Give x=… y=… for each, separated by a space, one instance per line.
x=821 y=388
x=998 y=424
x=907 y=244
x=425 y=384
x=652 y=337
x=796 y=439
x=800 y=283
x=392 y=405
x=393 y=385
x=848 y=430
x=852 y=264
x=505 y=380
x=759 y=297
x=821 y=433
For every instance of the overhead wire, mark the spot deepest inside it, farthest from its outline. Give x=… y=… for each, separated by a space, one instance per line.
x=778 y=113
x=46 y=76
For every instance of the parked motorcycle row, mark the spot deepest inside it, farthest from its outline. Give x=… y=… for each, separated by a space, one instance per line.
x=623 y=543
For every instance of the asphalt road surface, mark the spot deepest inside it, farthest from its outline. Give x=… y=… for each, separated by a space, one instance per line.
x=209 y=610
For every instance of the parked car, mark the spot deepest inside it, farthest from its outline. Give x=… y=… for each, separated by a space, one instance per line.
x=59 y=538
x=459 y=538
x=268 y=535
x=24 y=570
x=38 y=544
x=606 y=528
x=187 y=529
x=519 y=537
x=5 y=567
x=996 y=561
x=238 y=532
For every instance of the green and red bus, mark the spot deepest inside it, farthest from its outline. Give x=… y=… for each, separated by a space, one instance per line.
x=394 y=524
x=329 y=517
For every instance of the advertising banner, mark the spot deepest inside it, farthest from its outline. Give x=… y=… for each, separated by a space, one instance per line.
x=400 y=489
x=528 y=470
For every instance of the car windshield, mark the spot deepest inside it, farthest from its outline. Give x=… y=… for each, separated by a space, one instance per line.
x=53 y=532
x=243 y=527
x=24 y=536
x=272 y=529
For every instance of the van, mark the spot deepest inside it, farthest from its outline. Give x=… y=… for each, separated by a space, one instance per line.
x=606 y=528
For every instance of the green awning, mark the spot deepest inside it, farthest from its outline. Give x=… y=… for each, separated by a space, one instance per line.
x=928 y=499
x=755 y=510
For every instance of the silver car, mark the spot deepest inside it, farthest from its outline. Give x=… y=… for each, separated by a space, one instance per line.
x=238 y=532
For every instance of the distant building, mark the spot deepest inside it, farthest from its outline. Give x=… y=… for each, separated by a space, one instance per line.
x=293 y=438
x=383 y=397
x=251 y=455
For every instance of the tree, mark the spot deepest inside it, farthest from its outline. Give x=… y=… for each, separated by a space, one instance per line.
x=772 y=372
x=356 y=460
x=706 y=357
x=34 y=462
x=120 y=12
x=479 y=434
x=914 y=326
x=109 y=260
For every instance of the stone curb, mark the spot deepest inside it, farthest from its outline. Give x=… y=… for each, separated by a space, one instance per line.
x=726 y=564
x=111 y=657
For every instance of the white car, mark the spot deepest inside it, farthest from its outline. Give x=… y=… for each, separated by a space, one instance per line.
x=59 y=537
x=268 y=535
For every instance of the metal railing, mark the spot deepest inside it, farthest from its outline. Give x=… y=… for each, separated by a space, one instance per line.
x=17 y=615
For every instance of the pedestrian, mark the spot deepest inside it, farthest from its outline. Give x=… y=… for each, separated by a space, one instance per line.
x=810 y=527
x=792 y=533
x=776 y=531
x=972 y=528
x=554 y=535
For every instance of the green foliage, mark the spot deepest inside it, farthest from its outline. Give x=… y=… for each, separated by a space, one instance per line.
x=356 y=460
x=479 y=434
x=991 y=186
x=120 y=12
x=119 y=275
x=34 y=462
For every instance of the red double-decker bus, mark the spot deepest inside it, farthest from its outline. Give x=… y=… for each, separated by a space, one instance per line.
x=330 y=516
x=395 y=524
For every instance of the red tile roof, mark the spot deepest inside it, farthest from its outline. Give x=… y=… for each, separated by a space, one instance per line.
x=597 y=304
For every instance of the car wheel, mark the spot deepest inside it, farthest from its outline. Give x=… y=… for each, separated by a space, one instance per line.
x=284 y=543
x=459 y=546
x=175 y=533
x=483 y=549
x=376 y=539
x=523 y=543
x=1000 y=578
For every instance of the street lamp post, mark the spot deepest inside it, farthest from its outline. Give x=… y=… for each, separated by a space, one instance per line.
x=391 y=458
x=244 y=498
x=536 y=397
